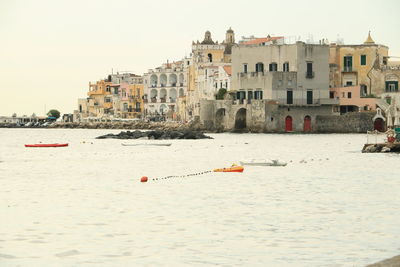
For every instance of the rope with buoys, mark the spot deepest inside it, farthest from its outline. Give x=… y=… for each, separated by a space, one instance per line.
x=233 y=168
x=145 y=178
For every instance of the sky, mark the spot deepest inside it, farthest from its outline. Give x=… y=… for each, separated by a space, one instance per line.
x=51 y=49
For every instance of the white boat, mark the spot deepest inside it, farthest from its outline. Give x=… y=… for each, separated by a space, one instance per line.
x=146 y=144
x=263 y=162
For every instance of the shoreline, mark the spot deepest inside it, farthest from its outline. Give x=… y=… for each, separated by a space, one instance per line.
x=391 y=262
x=162 y=126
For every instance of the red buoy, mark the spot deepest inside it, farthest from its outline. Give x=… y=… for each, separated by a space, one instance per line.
x=144 y=179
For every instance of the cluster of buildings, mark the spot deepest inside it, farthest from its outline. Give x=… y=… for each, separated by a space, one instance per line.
x=263 y=84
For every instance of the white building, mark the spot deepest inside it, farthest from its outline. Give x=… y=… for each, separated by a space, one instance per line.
x=163 y=87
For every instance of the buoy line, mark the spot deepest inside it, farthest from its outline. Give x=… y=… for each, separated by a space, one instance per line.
x=145 y=178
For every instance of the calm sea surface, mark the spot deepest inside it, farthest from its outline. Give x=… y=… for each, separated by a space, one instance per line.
x=84 y=204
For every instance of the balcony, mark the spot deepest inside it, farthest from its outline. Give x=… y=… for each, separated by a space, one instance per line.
x=310 y=74
x=163 y=100
x=107 y=105
x=162 y=84
x=173 y=84
x=180 y=84
x=154 y=100
x=348 y=69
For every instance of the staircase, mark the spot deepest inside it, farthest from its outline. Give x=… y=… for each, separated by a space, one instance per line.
x=382 y=104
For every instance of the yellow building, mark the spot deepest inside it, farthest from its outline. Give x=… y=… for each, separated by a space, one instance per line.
x=136 y=92
x=100 y=101
x=361 y=64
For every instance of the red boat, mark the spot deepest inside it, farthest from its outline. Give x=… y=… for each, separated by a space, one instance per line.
x=46 y=145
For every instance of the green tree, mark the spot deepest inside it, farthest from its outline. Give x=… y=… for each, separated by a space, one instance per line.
x=221 y=94
x=54 y=113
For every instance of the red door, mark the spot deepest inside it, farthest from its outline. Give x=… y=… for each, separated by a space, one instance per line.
x=378 y=125
x=307 y=124
x=288 y=124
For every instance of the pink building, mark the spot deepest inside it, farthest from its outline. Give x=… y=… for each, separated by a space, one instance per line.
x=350 y=99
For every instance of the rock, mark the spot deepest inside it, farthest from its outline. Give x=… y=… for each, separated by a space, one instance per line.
x=157 y=134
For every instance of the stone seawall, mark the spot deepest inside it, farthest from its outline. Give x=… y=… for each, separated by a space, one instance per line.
x=357 y=122
x=354 y=122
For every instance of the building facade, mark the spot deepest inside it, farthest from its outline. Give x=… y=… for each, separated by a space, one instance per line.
x=275 y=87
x=164 y=88
x=208 y=57
x=358 y=65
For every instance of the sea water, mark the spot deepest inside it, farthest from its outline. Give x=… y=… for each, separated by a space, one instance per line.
x=85 y=205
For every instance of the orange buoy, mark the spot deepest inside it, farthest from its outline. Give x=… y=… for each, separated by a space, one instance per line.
x=234 y=168
x=144 y=179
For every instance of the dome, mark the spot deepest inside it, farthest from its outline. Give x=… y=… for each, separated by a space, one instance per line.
x=369 y=39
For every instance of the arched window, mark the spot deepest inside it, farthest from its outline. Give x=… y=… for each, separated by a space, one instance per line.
x=210 y=57
x=273 y=67
x=259 y=67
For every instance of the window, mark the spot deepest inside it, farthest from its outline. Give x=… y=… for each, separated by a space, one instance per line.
x=210 y=57
x=363 y=90
x=348 y=63
x=348 y=94
x=220 y=85
x=331 y=94
x=363 y=60
x=309 y=97
x=245 y=68
x=273 y=67
x=349 y=83
x=286 y=67
x=289 y=97
x=258 y=94
x=392 y=86
x=309 y=73
x=226 y=85
x=259 y=67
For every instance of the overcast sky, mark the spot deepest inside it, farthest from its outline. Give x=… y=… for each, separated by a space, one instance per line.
x=51 y=49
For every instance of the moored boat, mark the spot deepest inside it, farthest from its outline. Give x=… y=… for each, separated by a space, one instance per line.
x=263 y=162
x=147 y=144
x=46 y=145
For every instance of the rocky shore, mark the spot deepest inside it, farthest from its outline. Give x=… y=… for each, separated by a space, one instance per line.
x=157 y=134
x=132 y=125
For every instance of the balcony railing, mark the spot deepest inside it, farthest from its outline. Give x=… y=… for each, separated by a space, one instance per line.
x=173 y=84
x=298 y=102
x=153 y=85
x=163 y=100
x=153 y=100
x=348 y=69
x=310 y=74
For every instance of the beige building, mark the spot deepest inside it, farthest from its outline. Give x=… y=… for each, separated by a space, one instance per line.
x=208 y=57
